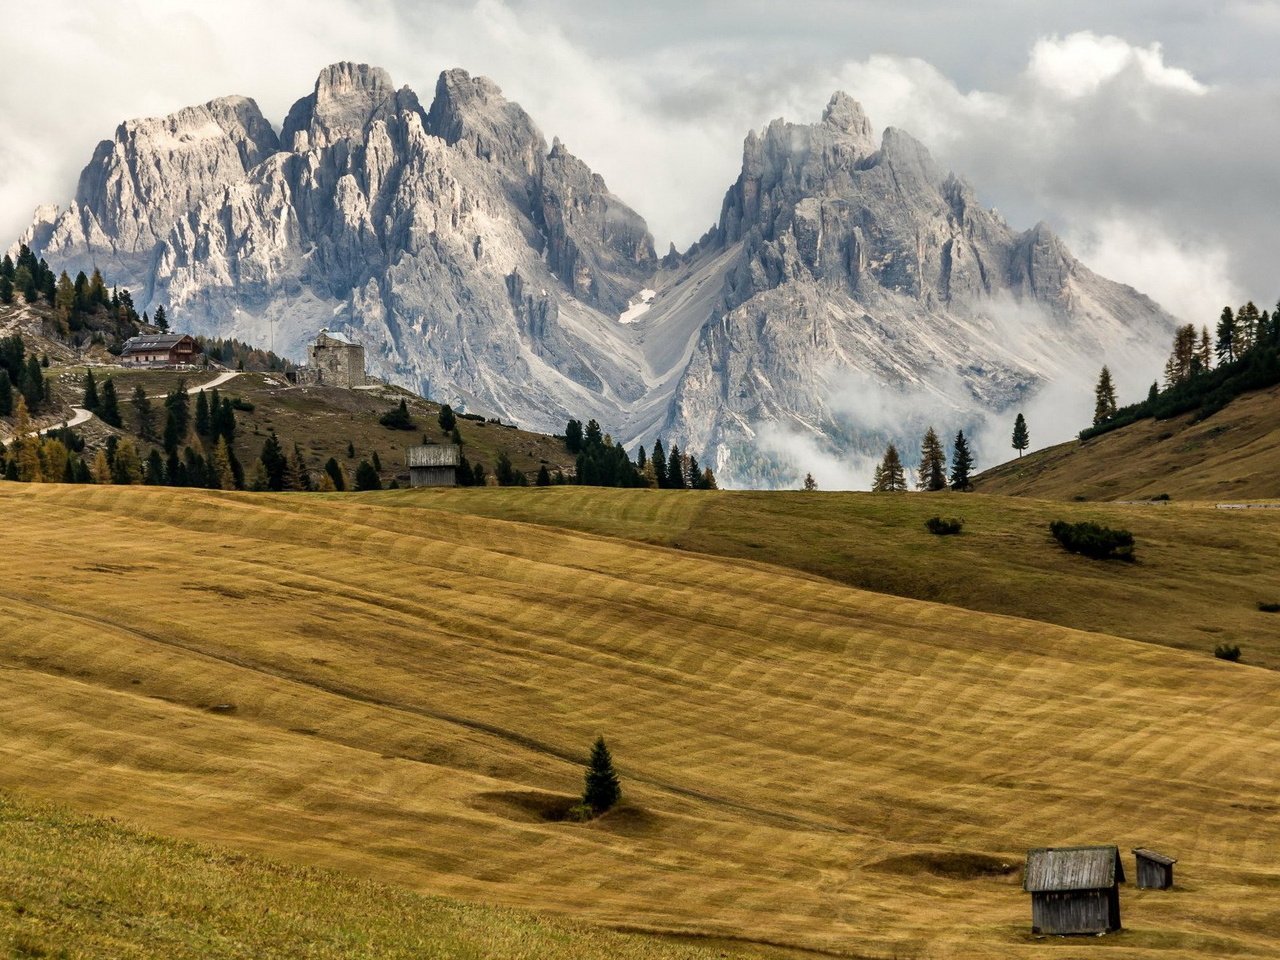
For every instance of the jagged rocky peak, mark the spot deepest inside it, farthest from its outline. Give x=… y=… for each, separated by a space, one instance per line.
x=845 y=114
x=472 y=111
x=787 y=161
x=599 y=247
x=347 y=98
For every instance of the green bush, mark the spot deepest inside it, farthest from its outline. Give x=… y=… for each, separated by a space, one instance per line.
x=944 y=526
x=1268 y=607
x=1093 y=540
x=1227 y=651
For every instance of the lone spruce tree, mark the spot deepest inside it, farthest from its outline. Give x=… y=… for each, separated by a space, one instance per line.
x=961 y=463
x=890 y=477
x=1021 y=436
x=602 y=789
x=1104 y=398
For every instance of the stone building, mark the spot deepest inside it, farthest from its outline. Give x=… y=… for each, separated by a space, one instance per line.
x=334 y=360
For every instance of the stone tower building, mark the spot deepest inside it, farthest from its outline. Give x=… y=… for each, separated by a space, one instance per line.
x=335 y=360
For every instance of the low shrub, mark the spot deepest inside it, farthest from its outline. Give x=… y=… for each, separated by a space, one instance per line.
x=1161 y=497
x=240 y=403
x=1227 y=651
x=1093 y=540
x=1268 y=607
x=944 y=526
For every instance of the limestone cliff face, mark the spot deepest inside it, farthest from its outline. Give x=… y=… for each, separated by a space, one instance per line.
x=484 y=268
x=856 y=261
x=472 y=262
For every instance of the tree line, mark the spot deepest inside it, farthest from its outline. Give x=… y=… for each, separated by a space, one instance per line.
x=891 y=476
x=1204 y=372
x=602 y=462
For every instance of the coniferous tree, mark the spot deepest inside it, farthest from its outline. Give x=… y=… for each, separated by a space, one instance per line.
x=1228 y=329
x=26 y=453
x=351 y=450
x=302 y=476
x=478 y=475
x=675 y=470
x=659 y=461
x=890 y=477
x=336 y=476
x=961 y=463
x=448 y=422
x=399 y=418
x=178 y=402
x=162 y=321
x=573 y=436
x=933 y=463
x=377 y=461
x=6 y=394
x=810 y=484
x=1104 y=398
x=1021 y=435
x=367 y=477
x=202 y=414
x=109 y=410
x=274 y=462
x=223 y=475
x=145 y=413
x=31 y=383
x=1204 y=353
x=155 y=475
x=6 y=290
x=126 y=468
x=602 y=789
x=544 y=476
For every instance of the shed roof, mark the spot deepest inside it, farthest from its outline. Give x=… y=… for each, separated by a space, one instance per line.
x=155 y=341
x=1151 y=855
x=1072 y=868
x=433 y=455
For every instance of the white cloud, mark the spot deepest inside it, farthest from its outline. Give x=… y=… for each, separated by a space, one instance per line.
x=1081 y=63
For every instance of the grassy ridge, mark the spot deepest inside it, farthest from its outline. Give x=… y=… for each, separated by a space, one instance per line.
x=1200 y=575
x=1232 y=455
x=402 y=693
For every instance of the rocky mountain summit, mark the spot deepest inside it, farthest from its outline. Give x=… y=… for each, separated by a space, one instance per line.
x=486 y=269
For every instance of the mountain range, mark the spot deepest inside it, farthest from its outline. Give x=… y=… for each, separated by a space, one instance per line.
x=850 y=290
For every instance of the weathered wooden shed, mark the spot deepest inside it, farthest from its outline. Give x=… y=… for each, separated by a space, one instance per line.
x=1155 y=870
x=433 y=465
x=1074 y=889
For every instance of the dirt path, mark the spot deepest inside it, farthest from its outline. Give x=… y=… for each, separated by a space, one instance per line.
x=81 y=415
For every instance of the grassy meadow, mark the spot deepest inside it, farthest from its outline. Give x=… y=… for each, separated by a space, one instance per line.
x=402 y=691
x=1200 y=575
x=121 y=893
x=1232 y=455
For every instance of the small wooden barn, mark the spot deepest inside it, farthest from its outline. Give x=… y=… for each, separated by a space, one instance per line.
x=433 y=465
x=1155 y=870
x=1074 y=890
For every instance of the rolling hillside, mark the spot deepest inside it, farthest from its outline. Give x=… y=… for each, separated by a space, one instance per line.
x=407 y=694
x=1232 y=455
x=1005 y=561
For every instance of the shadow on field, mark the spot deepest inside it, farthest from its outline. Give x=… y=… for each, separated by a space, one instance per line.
x=950 y=865
x=536 y=806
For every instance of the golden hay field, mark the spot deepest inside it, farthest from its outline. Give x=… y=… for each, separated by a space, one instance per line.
x=399 y=693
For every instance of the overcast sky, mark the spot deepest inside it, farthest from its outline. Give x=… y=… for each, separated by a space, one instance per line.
x=1146 y=132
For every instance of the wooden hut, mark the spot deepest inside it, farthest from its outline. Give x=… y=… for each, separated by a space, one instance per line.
x=433 y=465
x=1155 y=870
x=1074 y=890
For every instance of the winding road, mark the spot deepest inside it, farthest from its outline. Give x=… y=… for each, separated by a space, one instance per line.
x=81 y=415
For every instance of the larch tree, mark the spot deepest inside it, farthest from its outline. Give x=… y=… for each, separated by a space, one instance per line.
x=1021 y=435
x=810 y=484
x=1104 y=398
x=890 y=477
x=933 y=462
x=222 y=465
x=1227 y=336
